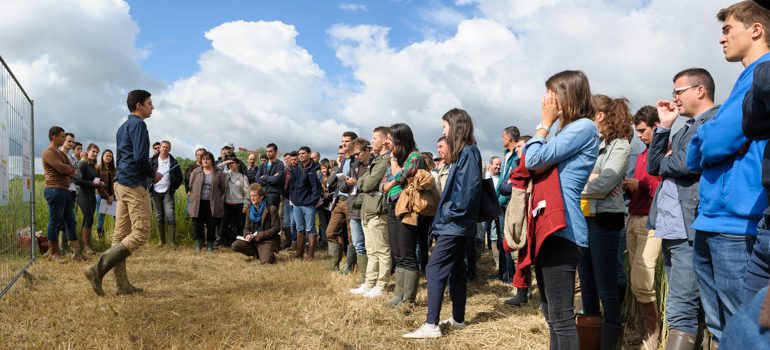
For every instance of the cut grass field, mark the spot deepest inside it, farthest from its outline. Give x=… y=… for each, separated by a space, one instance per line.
x=219 y=301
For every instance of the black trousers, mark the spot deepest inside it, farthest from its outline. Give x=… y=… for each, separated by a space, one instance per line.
x=555 y=268
x=403 y=241
x=205 y=219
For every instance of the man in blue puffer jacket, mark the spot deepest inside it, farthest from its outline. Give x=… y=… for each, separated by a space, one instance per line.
x=731 y=194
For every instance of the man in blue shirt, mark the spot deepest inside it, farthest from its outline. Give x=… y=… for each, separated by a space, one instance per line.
x=731 y=193
x=132 y=219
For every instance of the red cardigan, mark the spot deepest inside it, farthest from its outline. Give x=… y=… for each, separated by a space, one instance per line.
x=549 y=219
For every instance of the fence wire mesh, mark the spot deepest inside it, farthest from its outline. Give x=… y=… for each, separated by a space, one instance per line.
x=18 y=242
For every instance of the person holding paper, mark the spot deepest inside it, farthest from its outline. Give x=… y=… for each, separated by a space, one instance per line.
x=162 y=192
x=89 y=183
x=260 y=233
x=106 y=172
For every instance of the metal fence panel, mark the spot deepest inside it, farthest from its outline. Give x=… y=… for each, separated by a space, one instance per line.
x=18 y=242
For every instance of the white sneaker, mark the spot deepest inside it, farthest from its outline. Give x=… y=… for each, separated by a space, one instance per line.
x=374 y=293
x=450 y=322
x=426 y=331
x=361 y=290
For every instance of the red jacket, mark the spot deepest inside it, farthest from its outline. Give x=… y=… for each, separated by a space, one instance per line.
x=549 y=219
x=641 y=199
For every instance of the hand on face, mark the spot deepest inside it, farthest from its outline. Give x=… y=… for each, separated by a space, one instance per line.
x=549 y=111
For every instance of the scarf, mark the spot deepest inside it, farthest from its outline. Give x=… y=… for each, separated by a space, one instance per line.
x=255 y=214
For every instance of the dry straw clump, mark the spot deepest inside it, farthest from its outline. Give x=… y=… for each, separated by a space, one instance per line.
x=220 y=301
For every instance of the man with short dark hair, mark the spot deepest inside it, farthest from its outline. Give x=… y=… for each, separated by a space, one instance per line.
x=304 y=193
x=58 y=170
x=676 y=200
x=73 y=150
x=155 y=148
x=162 y=192
x=642 y=245
x=731 y=194
x=442 y=168
x=132 y=219
x=510 y=161
x=339 y=216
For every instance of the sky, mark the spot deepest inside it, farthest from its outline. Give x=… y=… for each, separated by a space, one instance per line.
x=301 y=72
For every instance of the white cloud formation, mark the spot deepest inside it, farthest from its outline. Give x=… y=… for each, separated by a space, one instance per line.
x=257 y=85
x=346 y=6
x=77 y=60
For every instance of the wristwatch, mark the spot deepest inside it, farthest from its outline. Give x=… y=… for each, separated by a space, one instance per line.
x=542 y=126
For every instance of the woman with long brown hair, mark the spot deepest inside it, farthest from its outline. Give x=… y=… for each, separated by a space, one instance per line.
x=89 y=183
x=604 y=208
x=453 y=225
x=573 y=151
x=106 y=172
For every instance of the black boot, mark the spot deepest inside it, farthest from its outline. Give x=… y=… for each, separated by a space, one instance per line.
x=611 y=336
x=111 y=257
x=521 y=298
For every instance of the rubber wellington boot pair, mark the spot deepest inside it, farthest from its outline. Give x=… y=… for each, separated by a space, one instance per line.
x=405 y=293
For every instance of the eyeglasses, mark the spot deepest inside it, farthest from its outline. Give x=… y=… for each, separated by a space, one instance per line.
x=678 y=91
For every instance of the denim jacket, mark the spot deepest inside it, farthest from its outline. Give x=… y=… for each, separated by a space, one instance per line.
x=458 y=208
x=574 y=151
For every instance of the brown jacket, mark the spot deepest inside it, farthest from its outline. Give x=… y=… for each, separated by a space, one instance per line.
x=420 y=197
x=108 y=178
x=267 y=231
x=218 y=188
x=58 y=168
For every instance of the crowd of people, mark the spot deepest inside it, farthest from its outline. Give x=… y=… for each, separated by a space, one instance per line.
x=697 y=195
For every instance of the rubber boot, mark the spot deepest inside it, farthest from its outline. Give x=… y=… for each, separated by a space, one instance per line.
x=300 y=247
x=678 y=340
x=121 y=280
x=210 y=247
x=521 y=298
x=411 y=283
x=64 y=245
x=350 y=260
x=87 y=252
x=77 y=247
x=161 y=235
x=197 y=245
x=111 y=257
x=335 y=251
x=362 y=261
x=53 y=253
x=312 y=242
x=172 y=235
x=398 y=292
x=589 y=332
x=649 y=315
x=611 y=336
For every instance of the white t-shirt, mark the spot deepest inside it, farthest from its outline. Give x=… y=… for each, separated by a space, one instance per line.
x=163 y=166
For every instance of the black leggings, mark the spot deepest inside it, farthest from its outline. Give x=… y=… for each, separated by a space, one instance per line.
x=403 y=241
x=555 y=268
x=87 y=205
x=205 y=218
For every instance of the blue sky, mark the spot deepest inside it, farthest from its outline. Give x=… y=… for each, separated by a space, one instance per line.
x=173 y=31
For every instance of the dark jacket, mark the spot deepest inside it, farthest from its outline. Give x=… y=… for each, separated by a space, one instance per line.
x=458 y=208
x=267 y=229
x=176 y=177
x=131 y=153
x=251 y=174
x=86 y=182
x=675 y=167
x=304 y=187
x=218 y=190
x=108 y=177
x=273 y=182
x=756 y=124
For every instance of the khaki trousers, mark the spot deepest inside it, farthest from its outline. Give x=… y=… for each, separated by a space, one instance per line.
x=377 y=252
x=643 y=252
x=132 y=217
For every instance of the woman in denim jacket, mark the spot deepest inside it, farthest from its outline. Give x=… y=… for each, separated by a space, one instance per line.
x=453 y=225
x=573 y=150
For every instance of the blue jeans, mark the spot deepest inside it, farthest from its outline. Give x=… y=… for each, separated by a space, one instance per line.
x=447 y=264
x=742 y=331
x=683 y=300
x=758 y=271
x=99 y=216
x=288 y=219
x=599 y=274
x=720 y=262
x=304 y=219
x=61 y=210
x=506 y=267
x=357 y=236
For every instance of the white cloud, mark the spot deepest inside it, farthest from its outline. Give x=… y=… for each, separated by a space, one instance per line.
x=346 y=6
x=257 y=85
x=77 y=60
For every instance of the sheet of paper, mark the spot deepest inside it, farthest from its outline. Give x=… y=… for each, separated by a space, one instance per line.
x=105 y=208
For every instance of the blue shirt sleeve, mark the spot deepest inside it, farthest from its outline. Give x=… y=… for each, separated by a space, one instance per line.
x=542 y=155
x=141 y=148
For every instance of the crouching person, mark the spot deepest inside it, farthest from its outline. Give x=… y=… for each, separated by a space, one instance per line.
x=260 y=234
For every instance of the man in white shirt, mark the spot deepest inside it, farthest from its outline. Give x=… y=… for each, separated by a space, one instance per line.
x=162 y=192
